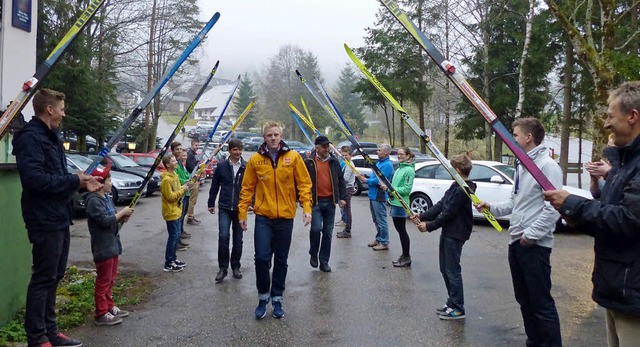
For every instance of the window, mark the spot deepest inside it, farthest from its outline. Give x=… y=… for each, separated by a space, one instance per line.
x=481 y=173
x=427 y=171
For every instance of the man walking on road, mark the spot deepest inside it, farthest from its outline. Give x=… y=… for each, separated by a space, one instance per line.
x=378 y=199
x=532 y=223
x=47 y=187
x=227 y=179
x=279 y=178
x=614 y=221
x=328 y=187
x=192 y=163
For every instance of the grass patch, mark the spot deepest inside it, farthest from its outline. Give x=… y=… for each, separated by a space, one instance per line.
x=75 y=302
x=175 y=119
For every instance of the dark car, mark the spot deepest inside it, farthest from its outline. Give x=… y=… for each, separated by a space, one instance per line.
x=368 y=147
x=240 y=135
x=253 y=143
x=122 y=163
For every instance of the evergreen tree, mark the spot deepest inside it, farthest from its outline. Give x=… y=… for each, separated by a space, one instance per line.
x=348 y=101
x=243 y=98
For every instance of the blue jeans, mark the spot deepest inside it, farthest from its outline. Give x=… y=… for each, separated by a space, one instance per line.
x=229 y=219
x=173 y=228
x=379 y=215
x=531 y=275
x=322 y=217
x=450 y=251
x=272 y=238
x=50 y=251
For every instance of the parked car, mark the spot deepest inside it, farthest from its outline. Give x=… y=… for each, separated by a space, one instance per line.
x=122 y=163
x=124 y=187
x=297 y=145
x=200 y=133
x=494 y=182
x=145 y=159
x=219 y=135
x=205 y=124
x=253 y=143
x=368 y=147
x=419 y=157
x=240 y=135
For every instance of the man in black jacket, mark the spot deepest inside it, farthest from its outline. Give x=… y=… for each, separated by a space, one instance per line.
x=614 y=221
x=47 y=187
x=192 y=162
x=228 y=180
x=328 y=188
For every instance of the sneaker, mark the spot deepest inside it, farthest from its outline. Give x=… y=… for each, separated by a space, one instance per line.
x=44 y=344
x=381 y=247
x=261 y=310
x=185 y=235
x=172 y=268
x=452 y=313
x=61 y=340
x=278 y=311
x=182 y=244
x=118 y=312
x=340 y=223
x=373 y=243
x=343 y=235
x=193 y=221
x=442 y=310
x=180 y=263
x=108 y=319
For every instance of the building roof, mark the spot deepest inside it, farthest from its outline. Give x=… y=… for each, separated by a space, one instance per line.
x=215 y=98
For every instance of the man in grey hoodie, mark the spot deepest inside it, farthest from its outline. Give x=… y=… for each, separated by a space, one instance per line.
x=532 y=223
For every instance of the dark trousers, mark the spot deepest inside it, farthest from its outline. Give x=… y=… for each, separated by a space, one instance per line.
x=531 y=276
x=346 y=211
x=106 y=270
x=228 y=219
x=322 y=217
x=272 y=238
x=401 y=226
x=450 y=252
x=50 y=251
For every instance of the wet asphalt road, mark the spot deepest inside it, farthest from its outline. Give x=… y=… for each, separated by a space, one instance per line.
x=364 y=301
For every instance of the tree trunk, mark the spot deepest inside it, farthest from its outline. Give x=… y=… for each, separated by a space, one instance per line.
x=147 y=111
x=523 y=59
x=566 y=111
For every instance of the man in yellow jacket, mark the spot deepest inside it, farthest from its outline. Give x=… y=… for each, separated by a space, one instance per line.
x=278 y=177
x=172 y=194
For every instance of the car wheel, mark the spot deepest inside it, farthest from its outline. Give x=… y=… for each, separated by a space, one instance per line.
x=358 y=187
x=114 y=195
x=420 y=203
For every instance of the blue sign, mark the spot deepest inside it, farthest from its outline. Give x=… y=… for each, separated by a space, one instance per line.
x=21 y=15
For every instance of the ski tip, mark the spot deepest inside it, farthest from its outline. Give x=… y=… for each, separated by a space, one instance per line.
x=346 y=47
x=239 y=76
x=298 y=73
x=215 y=67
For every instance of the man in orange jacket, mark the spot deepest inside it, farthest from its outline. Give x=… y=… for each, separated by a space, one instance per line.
x=279 y=177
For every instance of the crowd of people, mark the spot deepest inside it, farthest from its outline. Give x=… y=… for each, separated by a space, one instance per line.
x=275 y=180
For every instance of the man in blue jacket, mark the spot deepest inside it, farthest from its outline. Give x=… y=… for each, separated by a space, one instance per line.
x=614 y=221
x=228 y=180
x=47 y=187
x=378 y=199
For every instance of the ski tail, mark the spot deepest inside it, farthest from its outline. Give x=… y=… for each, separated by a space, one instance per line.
x=172 y=137
x=31 y=85
x=153 y=92
x=416 y=128
x=461 y=83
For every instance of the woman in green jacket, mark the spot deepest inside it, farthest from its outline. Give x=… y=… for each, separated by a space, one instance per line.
x=402 y=183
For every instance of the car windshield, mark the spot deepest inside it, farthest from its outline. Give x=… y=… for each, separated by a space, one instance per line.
x=508 y=170
x=82 y=161
x=146 y=161
x=123 y=161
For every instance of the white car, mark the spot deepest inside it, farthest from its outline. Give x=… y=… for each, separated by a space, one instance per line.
x=494 y=182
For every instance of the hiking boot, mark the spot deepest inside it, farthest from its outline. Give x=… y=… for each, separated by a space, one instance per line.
x=373 y=243
x=261 y=310
x=118 y=312
x=193 y=221
x=172 y=268
x=324 y=267
x=180 y=263
x=452 y=313
x=108 y=319
x=402 y=262
x=221 y=275
x=185 y=235
x=236 y=273
x=278 y=311
x=381 y=247
x=61 y=340
x=182 y=244
x=182 y=248
x=340 y=223
x=442 y=310
x=343 y=235
x=313 y=261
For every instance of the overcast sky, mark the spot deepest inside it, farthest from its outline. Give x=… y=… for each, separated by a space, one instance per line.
x=250 y=32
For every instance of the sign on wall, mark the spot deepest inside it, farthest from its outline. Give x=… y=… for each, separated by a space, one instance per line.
x=21 y=15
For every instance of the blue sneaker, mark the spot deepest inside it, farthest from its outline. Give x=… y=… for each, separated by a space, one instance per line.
x=278 y=311
x=261 y=310
x=452 y=313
